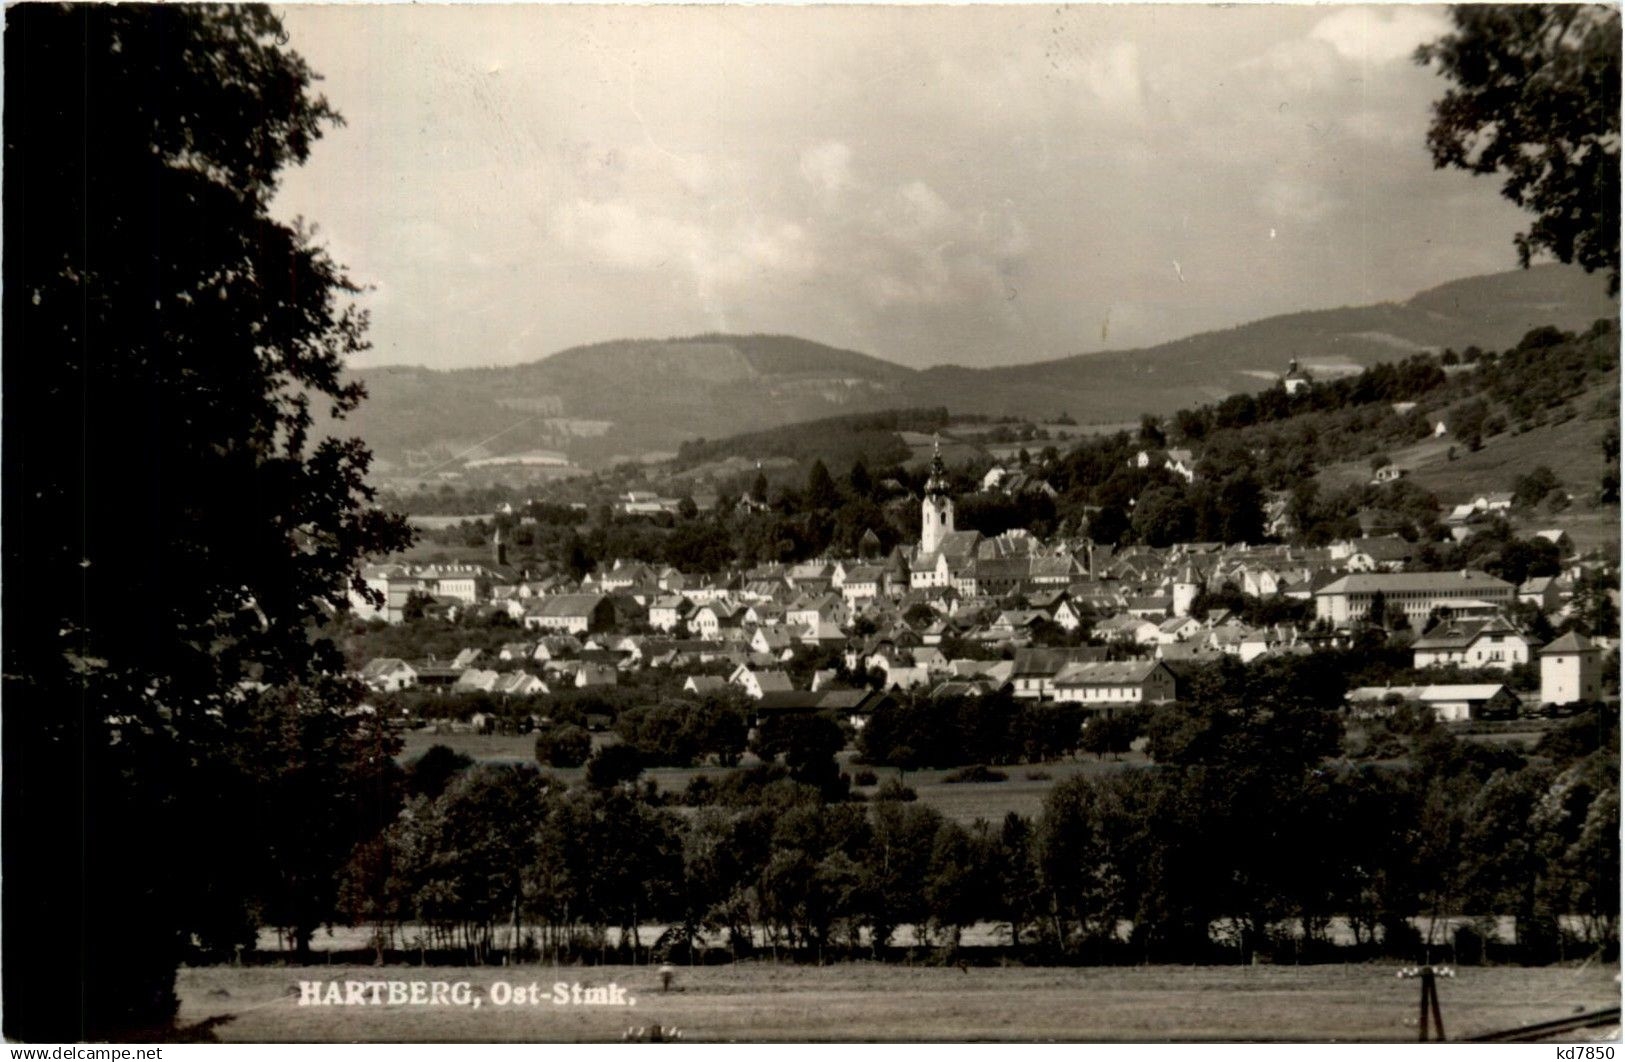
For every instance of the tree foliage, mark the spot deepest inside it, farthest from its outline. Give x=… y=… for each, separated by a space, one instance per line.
x=1536 y=96
x=170 y=339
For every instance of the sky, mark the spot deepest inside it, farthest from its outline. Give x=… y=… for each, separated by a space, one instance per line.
x=977 y=185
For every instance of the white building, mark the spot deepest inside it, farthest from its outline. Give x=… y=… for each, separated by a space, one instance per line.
x=1348 y=600
x=1570 y=670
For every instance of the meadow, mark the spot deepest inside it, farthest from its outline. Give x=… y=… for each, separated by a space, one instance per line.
x=1023 y=791
x=865 y=1001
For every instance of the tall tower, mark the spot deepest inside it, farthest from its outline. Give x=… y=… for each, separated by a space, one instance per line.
x=499 y=549
x=937 y=510
x=1185 y=590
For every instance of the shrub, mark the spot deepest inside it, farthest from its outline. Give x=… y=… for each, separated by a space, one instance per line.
x=1038 y=776
x=893 y=789
x=431 y=772
x=978 y=773
x=564 y=745
x=865 y=777
x=613 y=765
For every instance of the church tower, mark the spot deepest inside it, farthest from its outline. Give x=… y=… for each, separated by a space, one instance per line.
x=937 y=510
x=1185 y=590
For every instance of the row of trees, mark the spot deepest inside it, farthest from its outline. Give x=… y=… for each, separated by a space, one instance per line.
x=1243 y=838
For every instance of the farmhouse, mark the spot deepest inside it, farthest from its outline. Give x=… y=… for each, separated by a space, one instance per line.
x=1033 y=671
x=757 y=683
x=570 y=613
x=1106 y=685
x=1488 y=643
x=388 y=674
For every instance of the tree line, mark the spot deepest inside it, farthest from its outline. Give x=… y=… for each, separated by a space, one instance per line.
x=1244 y=837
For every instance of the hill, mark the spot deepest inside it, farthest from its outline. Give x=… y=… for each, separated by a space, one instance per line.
x=1489 y=311
x=629 y=398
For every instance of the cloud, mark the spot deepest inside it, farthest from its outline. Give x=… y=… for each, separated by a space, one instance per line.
x=827 y=166
x=1295 y=199
x=716 y=261
x=1374 y=35
x=973 y=183
x=1112 y=75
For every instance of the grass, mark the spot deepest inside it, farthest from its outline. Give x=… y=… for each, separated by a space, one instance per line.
x=863 y=1001
x=962 y=802
x=1572 y=449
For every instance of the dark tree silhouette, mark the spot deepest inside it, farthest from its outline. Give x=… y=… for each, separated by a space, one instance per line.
x=1536 y=96
x=173 y=523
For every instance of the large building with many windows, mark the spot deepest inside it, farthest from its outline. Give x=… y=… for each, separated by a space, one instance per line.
x=1348 y=600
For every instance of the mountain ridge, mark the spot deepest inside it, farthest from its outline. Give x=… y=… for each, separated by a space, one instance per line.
x=619 y=399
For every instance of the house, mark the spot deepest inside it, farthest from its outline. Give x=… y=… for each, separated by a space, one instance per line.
x=1177 y=629
x=813 y=612
x=1033 y=671
x=554 y=647
x=906 y=678
x=475 y=679
x=437 y=676
x=703 y=684
x=1570 y=670
x=1296 y=379
x=712 y=620
x=758 y=683
x=1016 y=622
x=467 y=657
x=669 y=612
x=1390 y=553
x=387 y=674
x=1150 y=607
x=518 y=684
x=1542 y=591
x=1484 y=643
x=1106 y=686
x=570 y=613
x=515 y=651
x=1559 y=538
x=862 y=582
x=1388 y=474
x=1126 y=628
x=1495 y=501
x=592 y=675
x=1181 y=463
x=772 y=641
x=1348 y=599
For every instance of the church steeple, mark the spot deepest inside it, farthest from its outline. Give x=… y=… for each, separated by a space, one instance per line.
x=937 y=509
x=937 y=482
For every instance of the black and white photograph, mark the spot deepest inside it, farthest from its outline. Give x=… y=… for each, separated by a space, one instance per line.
x=603 y=523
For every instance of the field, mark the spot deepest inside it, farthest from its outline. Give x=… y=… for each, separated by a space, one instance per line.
x=963 y=802
x=863 y=1001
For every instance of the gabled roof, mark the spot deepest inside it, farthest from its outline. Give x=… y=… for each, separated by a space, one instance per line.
x=566 y=605
x=384 y=665
x=1459 y=634
x=1037 y=662
x=1107 y=673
